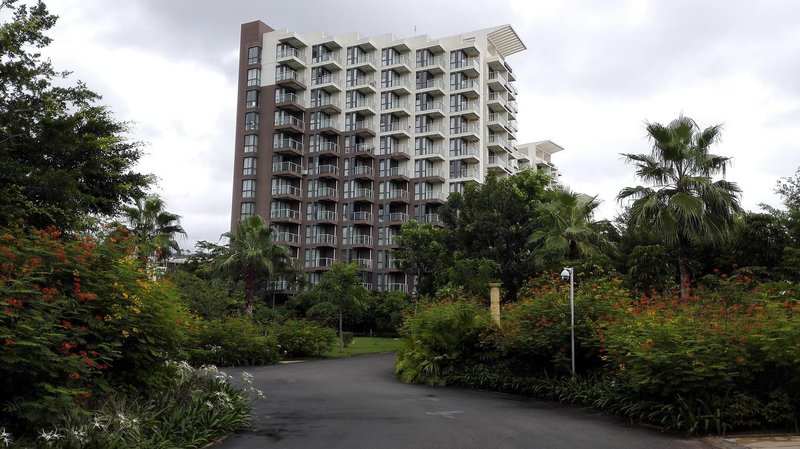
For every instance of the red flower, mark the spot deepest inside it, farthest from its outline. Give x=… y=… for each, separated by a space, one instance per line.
x=74 y=376
x=66 y=324
x=8 y=342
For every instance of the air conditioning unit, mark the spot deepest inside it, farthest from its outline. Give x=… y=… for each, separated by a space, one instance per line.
x=305 y=172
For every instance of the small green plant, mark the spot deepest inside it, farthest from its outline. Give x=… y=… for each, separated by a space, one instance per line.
x=233 y=341
x=301 y=338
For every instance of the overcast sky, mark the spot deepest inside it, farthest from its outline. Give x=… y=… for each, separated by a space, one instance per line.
x=593 y=73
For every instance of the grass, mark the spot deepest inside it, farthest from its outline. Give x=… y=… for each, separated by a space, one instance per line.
x=365 y=345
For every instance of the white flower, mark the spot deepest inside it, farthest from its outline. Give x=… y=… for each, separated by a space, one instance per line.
x=47 y=436
x=5 y=437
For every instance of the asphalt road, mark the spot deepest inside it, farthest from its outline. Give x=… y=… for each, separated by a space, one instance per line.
x=358 y=403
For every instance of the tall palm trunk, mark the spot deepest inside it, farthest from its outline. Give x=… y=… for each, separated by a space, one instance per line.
x=684 y=267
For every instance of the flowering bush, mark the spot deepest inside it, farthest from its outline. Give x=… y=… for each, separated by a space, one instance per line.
x=78 y=317
x=232 y=341
x=300 y=338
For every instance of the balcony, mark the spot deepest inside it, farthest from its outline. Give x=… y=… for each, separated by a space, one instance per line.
x=290 y=101
x=286 y=238
x=395 y=195
x=496 y=81
x=287 y=122
x=324 y=171
x=362 y=105
x=430 y=197
x=326 y=216
x=497 y=143
x=396 y=286
x=401 y=129
x=364 y=84
x=434 y=152
x=434 y=131
x=329 y=83
x=431 y=108
x=430 y=175
x=399 y=85
x=324 y=193
x=512 y=91
x=468 y=153
x=320 y=263
x=325 y=149
x=471 y=110
x=400 y=63
x=498 y=123
x=363 y=61
x=290 y=78
x=361 y=149
x=281 y=215
x=323 y=239
x=361 y=128
x=287 y=191
x=469 y=132
x=360 y=240
x=470 y=66
x=362 y=171
x=361 y=217
x=362 y=194
x=434 y=219
x=328 y=105
x=395 y=172
x=496 y=102
x=466 y=175
x=396 y=152
x=470 y=88
x=434 y=64
x=325 y=126
x=497 y=163
x=287 y=168
x=330 y=61
x=434 y=87
x=398 y=218
x=363 y=263
x=291 y=57
x=396 y=107
x=289 y=146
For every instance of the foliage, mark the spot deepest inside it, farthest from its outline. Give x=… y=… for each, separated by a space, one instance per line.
x=493 y=221
x=567 y=232
x=759 y=241
x=300 y=338
x=367 y=345
x=209 y=299
x=253 y=256
x=685 y=206
x=384 y=314
x=78 y=318
x=439 y=338
x=232 y=341
x=62 y=157
x=423 y=252
x=153 y=228
x=195 y=408
x=649 y=269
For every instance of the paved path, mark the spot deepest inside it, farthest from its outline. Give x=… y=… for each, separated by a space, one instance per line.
x=358 y=403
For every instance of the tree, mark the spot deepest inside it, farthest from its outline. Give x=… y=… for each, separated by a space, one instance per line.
x=62 y=156
x=685 y=206
x=339 y=291
x=252 y=255
x=423 y=253
x=568 y=231
x=153 y=228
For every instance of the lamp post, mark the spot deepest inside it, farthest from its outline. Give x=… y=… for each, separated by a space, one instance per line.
x=569 y=273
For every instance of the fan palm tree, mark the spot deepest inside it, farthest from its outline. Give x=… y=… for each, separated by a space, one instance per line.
x=568 y=230
x=683 y=204
x=153 y=228
x=252 y=255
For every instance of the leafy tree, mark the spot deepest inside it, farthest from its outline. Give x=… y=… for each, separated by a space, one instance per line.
x=338 y=292
x=253 y=256
x=684 y=205
x=568 y=231
x=494 y=220
x=423 y=252
x=759 y=241
x=153 y=228
x=62 y=156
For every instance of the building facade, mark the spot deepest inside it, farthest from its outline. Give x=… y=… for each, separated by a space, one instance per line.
x=342 y=139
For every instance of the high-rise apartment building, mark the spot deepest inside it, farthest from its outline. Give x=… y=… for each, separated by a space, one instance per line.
x=342 y=139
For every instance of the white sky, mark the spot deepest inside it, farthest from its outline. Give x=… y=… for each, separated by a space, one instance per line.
x=593 y=73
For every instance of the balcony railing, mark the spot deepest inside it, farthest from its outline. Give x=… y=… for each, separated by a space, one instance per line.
x=360 y=103
x=430 y=150
x=327 y=147
x=398 y=216
x=464 y=63
x=362 y=170
x=290 y=53
x=360 y=59
x=430 y=196
x=361 y=124
x=286 y=237
x=320 y=262
x=362 y=216
x=360 y=239
x=324 y=101
x=473 y=151
x=287 y=143
x=466 y=173
x=357 y=193
x=287 y=97
x=286 y=190
x=395 y=60
x=325 y=79
x=433 y=61
x=324 y=192
x=435 y=82
x=323 y=123
x=325 y=169
x=361 y=81
x=326 y=57
x=396 y=286
x=430 y=106
x=361 y=148
x=395 y=126
x=469 y=106
x=284 y=213
x=326 y=215
x=429 y=173
x=397 y=104
x=286 y=75
x=395 y=82
x=290 y=121
x=324 y=239
x=287 y=166
x=395 y=194
x=394 y=149
x=430 y=218
x=394 y=171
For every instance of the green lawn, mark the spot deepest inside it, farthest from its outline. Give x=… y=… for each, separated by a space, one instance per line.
x=365 y=345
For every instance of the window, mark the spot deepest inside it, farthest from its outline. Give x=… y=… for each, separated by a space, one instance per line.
x=254 y=55
x=254 y=77
x=249 y=167
x=248 y=188
x=250 y=143
x=251 y=99
x=251 y=121
x=248 y=210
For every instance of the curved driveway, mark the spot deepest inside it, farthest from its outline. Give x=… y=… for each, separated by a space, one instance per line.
x=358 y=403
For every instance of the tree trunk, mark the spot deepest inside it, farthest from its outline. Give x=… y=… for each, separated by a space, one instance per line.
x=684 y=268
x=249 y=290
x=341 y=335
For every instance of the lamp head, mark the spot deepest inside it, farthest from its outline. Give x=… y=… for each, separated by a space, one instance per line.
x=565 y=274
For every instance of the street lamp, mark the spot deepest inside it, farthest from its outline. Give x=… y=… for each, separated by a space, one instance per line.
x=569 y=273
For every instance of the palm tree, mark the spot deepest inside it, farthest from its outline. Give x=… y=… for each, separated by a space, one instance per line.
x=568 y=230
x=252 y=255
x=684 y=205
x=153 y=228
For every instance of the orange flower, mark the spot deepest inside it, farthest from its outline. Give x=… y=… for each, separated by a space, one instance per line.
x=74 y=376
x=8 y=342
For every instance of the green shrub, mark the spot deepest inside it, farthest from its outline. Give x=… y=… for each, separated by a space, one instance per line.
x=301 y=338
x=210 y=299
x=440 y=338
x=233 y=341
x=347 y=338
x=78 y=319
